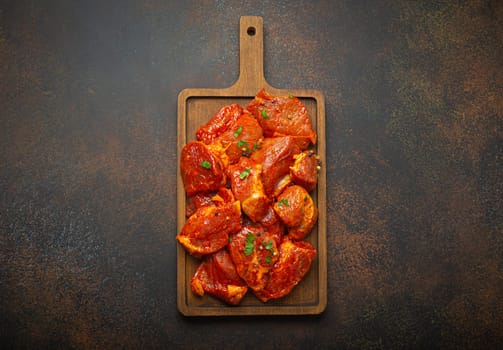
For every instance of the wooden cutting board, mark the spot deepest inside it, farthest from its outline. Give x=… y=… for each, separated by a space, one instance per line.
x=195 y=108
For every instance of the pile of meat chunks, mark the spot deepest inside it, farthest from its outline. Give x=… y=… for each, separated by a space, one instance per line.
x=248 y=179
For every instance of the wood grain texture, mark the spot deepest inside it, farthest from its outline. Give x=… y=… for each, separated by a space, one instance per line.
x=195 y=108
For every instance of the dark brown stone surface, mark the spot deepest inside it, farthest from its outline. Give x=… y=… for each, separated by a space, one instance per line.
x=414 y=115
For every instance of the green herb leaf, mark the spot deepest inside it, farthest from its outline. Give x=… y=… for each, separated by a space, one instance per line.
x=283 y=202
x=257 y=146
x=246 y=151
x=245 y=173
x=238 y=131
x=264 y=113
x=268 y=246
x=290 y=96
x=230 y=239
x=205 y=164
x=249 y=244
x=242 y=144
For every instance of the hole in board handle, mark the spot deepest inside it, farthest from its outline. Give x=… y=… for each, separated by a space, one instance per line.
x=251 y=31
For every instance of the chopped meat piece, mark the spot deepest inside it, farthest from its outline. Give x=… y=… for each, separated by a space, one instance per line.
x=246 y=184
x=296 y=209
x=198 y=200
x=217 y=276
x=219 y=151
x=201 y=170
x=281 y=115
x=304 y=171
x=271 y=218
x=295 y=259
x=276 y=157
x=201 y=199
x=219 y=123
x=223 y=196
x=254 y=251
x=301 y=141
x=241 y=138
x=276 y=229
x=207 y=231
x=290 y=206
x=282 y=183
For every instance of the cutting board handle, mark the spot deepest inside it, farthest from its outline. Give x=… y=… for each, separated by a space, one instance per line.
x=251 y=57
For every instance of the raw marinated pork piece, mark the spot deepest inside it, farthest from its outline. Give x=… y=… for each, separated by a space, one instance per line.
x=231 y=133
x=276 y=156
x=219 y=123
x=254 y=251
x=296 y=209
x=304 y=171
x=241 y=138
x=295 y=259
x=202 y=199
x=246 y=184
x=207 y=231
x=281 y=115
x=217 y=276
x=201 y=170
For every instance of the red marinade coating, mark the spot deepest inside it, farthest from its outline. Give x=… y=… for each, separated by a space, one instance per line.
x=304 y=171
x=246 y=183
x=254 y=251
x=219 y=123
x=276 y=157
x=281 y=115
x=217 y=276
x=295 y=259
x=201 y=170
x=202 y=199
x=296 y=209
x=241 y=138
x=207 y=231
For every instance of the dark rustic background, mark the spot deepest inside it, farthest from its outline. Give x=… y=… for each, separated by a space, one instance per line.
x=414 y=115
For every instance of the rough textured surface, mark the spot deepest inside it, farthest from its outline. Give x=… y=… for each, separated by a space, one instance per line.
x=414 y=115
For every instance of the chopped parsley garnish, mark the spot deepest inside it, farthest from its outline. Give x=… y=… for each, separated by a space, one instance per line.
x=283 y=202
x=230 y=239
x=245 y=150
x=238 y=131
x=245 y=173
x=268 y=246
x=205 y=164
x=257 y=146
x=242 y=144
x=290 y=96
x=249 y=244
x=264 y=113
